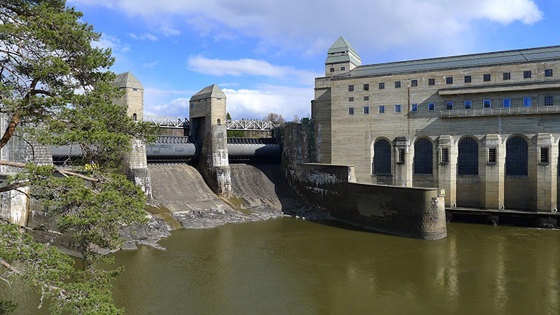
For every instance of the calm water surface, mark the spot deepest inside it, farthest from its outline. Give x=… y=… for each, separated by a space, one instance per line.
x=289 y=266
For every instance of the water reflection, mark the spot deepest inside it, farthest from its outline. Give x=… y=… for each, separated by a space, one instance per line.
x=297 y=267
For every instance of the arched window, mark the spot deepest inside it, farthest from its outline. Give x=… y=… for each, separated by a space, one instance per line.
x=423 y=157
x=134 y=117
x=219 y=122
x=382 y=157
x=467 y=163
x=516 y=156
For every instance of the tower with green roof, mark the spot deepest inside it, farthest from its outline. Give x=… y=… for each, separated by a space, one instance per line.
x=342 y=57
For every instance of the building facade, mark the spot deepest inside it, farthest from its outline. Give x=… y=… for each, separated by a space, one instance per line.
x=483 y=127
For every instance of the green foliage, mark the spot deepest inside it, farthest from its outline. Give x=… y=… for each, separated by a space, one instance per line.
x=235 y=133
x=228 y=116
x=55 y=83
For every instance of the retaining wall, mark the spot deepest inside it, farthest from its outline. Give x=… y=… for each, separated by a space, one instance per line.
x=403 y=211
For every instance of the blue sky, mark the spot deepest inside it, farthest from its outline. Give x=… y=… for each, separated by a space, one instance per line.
x=265 y=54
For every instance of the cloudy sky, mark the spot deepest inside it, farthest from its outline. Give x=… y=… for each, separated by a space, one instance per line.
x=265 y=54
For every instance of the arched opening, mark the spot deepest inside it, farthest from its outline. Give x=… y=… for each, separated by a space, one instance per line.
x=382 y=157
x=517 y=157
x=467 y=163
x=219 y=122
x=134 y=117
x=468 y=183
x=518 y=192
x=423 y=165
x=423 y=156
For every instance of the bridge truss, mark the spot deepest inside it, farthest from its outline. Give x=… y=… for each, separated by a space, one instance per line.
x=180 y=122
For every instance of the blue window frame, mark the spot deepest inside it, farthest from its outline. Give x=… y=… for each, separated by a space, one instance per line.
x=350 y=110
x=548 y=72
x=449 y=105
x=366 y=110
x=431 y=106
x=468 y=104
x=414 y=107
x=381 y=109
x=527 y=101
x=487 y=104
x=192 y=105
x=397 y=108
x=507 y=102
x=548 y=100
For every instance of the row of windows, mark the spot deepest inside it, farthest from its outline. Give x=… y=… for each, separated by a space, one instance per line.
x=486 y=104
x=467 y=161
x=449 y=80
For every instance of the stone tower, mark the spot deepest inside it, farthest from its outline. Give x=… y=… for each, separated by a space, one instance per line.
x=342 y=57
x=133 y=99
x=207 y=113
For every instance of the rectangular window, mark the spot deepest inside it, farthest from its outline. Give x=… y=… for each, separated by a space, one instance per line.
x=431 y=106
x=331 y=69
x=397 y=84
x=486 y=77
x=527 y=74
x=468 y=104
x=449 y=105
x=413 y=82
x=548 y=73
x=414 y=107
x=350 y=99
x=366 y=110
x=397 y=108
x=431 y=81
x=544 y=155
x=400 y=159
x=548 y=100
x=381 y=109
x=527 y=102
x=449 y=80
x=350 y=110
x=192 y=105
x=444 y=155
x=506 y=76
x=342 y=68
x=350 y=88
x=507 y=102
x=468 y=79
x=492 y=155
x=366 y=98
x=366 y=87
x=381 y=85
x=487 y=104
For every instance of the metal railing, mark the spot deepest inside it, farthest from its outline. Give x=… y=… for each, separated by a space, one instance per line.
x=250 y=125
x=167 y=121
x=179 y=122
x=508 y=111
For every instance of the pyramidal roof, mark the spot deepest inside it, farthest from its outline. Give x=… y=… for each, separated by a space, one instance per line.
x=207 y=92
x=342 y=45
x=127 y=80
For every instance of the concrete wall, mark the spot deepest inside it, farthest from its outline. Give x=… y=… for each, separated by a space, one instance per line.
x=403 y=211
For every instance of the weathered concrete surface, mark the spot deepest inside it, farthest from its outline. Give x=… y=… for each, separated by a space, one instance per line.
x=263 y=186
x=181 y=188
x=402 y=211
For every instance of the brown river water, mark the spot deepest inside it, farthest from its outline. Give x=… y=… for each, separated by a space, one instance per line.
x=290 y=266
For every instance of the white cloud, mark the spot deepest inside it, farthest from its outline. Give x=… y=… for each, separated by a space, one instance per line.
x=241 y=67
x=146 y=36
x=113 y=42
x=150 y=64
x=310 y=26
x=241 y=103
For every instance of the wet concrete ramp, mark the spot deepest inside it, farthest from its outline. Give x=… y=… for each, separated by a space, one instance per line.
x=181 y=188
x=262 y=186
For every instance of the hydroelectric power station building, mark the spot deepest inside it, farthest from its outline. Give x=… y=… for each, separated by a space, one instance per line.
x=483 y=127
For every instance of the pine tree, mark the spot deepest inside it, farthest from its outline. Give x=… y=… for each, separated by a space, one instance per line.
x=57 y=89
